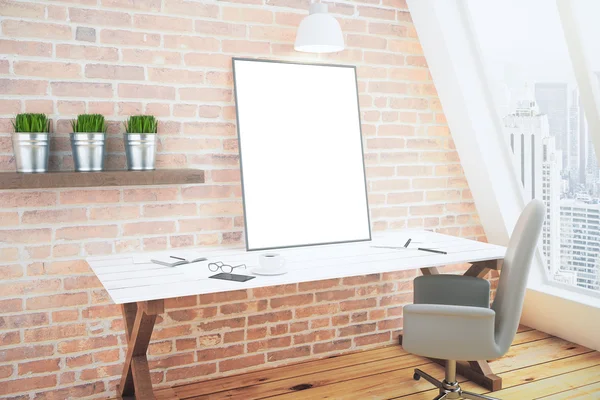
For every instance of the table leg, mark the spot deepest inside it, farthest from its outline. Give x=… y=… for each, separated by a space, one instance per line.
x=476 y=371
x=139 y=323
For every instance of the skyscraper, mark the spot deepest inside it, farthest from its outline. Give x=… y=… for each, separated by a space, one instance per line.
x=580 y=241
x=552 y=99
x=574 y=140
x=538 y=166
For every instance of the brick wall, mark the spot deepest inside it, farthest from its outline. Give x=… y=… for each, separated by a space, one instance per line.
x=60 y=336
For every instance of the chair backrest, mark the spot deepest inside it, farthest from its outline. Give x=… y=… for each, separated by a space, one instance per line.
x=508 y=303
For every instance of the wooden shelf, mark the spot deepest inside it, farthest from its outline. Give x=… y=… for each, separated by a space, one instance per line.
x=17 y=180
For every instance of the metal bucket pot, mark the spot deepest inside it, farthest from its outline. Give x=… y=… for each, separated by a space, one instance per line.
x=140 y=149
x=31 y=151
x=88 y=151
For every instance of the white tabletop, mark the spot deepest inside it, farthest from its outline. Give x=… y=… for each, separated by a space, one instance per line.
x=133 y=277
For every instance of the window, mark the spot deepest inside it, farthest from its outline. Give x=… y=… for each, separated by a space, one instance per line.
x=537 y=98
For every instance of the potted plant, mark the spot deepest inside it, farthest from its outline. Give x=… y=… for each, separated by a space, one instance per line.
x=87 y=142
x=31 y=142
x=140 y=142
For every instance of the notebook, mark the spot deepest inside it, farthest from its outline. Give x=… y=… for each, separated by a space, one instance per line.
x=177 y=259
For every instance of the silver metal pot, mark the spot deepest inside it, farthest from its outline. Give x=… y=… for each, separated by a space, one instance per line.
x=31 y=151
x=140 y=149
x=88 y=151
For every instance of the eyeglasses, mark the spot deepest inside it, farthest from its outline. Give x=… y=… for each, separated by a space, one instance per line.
x=226 y=268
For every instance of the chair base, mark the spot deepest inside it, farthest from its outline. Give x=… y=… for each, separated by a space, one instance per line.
x=448 y=390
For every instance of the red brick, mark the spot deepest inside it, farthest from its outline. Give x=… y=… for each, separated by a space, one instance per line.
x=234 y=336
x=82 y=89
x=271 y=343
x=291 y=301
x=86 y=344
x=146 y=91
x=65 y=316
x=372 y=339
x=191 y=8
x=56 y=301
x=294 y=352
x=26 y=48
x=257 y=333
x=175 y=75
x=55 y=70
x=278 y=316
x=149 y=228
x=357 y=304
x=26 y=235
x=41 y=366
x=316 y=336
x=99 y=17
x=220 y=353
x=114 y=72
x=221 y=297
x=23 y=87
x=20 y=28
x=11 y=305
x=246 y=15
x=323 y=309
x=336 y=345
x=174 y=374
x=319 y=285
x=146 y=5
x=163 y=23
x=122 y=37
x=222 y=324
x=23 y=320
x=25 y=352
x=334 y=295
x=6 y=371
x=17 y=385
x=245 y=47
x=8 y=338
x=87 y=232
x=245 y=307
x=240 y=363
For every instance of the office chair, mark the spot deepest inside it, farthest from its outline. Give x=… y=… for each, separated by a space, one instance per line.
x=451 y=319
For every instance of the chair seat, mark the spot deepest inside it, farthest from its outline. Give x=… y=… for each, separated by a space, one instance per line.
x=458 y=290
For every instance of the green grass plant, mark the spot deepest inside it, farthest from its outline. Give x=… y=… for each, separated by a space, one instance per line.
x=141 y=124
x=31 y=123
x=89 y=123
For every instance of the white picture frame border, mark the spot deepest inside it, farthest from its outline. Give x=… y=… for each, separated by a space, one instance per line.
x=368 y=212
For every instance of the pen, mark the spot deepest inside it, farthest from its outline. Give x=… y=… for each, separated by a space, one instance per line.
x=432 y=251
x=178 y=258
x=407 y=243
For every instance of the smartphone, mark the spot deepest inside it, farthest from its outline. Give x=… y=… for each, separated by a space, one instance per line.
x=232 y=277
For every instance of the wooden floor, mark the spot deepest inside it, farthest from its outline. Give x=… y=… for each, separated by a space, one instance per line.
x=538 y=366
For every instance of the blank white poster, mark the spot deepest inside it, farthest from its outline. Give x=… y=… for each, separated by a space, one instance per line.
x=301 y=154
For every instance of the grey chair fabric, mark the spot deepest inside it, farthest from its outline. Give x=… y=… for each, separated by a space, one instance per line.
x=454 y=290
x=464 y=332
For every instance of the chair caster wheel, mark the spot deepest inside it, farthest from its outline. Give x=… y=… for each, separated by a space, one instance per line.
x=416 y=376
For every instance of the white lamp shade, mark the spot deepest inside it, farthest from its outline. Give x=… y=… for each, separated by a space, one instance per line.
x=319 y=32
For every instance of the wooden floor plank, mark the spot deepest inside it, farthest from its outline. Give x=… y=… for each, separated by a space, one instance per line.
x=376 y=387
x=289 y=371
x=539 y=351
x=549 y=386
x=527 y=375
x=538 y=366
x=529 y=336
x=318 y=379
x=585 y=392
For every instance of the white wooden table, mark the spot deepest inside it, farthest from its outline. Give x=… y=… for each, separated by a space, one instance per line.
x=141 y=286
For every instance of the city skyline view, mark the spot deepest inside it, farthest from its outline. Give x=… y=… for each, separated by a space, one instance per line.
x=536 y=96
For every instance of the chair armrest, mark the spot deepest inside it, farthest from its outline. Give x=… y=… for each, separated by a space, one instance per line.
x=449 y=332
x=455 y=290
x=450 y=311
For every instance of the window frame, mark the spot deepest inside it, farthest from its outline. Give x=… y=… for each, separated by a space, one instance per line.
x=455 y=60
